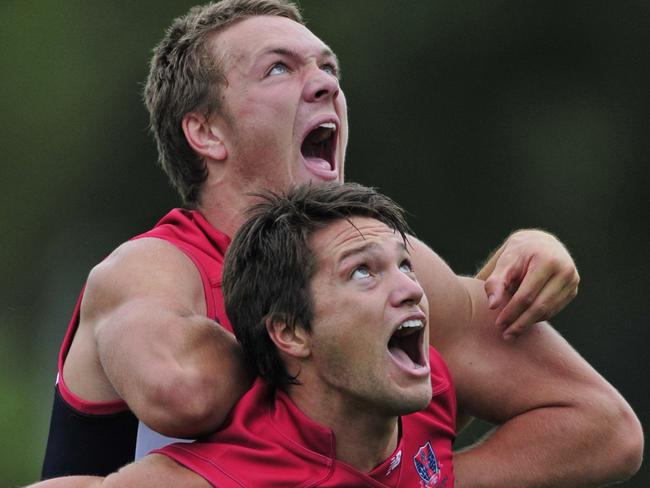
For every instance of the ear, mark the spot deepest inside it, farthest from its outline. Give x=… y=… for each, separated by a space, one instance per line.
x=204 y=137
x=292 y=340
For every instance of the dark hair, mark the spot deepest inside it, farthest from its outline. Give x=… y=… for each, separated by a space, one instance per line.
x=186 y=73
x=269 y=265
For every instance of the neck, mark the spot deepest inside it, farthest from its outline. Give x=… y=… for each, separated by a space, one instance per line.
x=364 y=437
x=224 y=207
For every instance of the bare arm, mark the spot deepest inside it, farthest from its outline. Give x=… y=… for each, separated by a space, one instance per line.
x=531 y=277
x=154 y=471
x=559 y=423
x=143 y=328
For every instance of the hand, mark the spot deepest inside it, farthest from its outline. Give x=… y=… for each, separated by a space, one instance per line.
x=532 y=276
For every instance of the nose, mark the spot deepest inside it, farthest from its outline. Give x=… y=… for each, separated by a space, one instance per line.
x=320 y=85
x=406 y=290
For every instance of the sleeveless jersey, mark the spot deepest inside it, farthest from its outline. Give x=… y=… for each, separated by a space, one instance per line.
x=268 y=442
x=97 y=438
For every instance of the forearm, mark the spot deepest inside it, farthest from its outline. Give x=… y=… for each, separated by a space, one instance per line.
x=153 y=471
x=210 y=379
x=553 y=447
x=180 y=373
x=70 y=482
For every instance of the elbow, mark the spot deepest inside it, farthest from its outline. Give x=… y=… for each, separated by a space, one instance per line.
x=191 y=414
x=621 y=439
x=628 y=444
x=187 y=406
x=188 y=401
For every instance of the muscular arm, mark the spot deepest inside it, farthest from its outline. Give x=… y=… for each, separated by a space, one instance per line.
x=559 y=423
x=153 y=471
x=144 y=337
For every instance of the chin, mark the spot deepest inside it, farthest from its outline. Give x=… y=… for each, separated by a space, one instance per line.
x=409 y=401
x=416 y=404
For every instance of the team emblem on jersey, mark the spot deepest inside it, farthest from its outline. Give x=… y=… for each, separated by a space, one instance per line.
x=426 y=464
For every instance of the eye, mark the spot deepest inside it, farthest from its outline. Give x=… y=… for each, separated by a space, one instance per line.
x=360 y=273
x=405 y=267
x=330 y=69
x=277 y=69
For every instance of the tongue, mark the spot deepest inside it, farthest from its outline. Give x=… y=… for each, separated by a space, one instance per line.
x=316 y=161
x=400 y=357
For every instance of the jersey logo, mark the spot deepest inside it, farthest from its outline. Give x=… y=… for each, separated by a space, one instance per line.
x=426 y=464
x=394 y=463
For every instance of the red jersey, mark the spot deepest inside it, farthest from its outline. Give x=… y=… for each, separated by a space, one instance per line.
x=99 y=437
x=268 y=442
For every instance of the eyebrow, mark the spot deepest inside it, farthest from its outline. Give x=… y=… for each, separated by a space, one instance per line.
x=368 y=247
x=324 y=53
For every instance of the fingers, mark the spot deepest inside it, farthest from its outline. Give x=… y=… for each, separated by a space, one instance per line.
x=495 y=290
x=503 y=281
x=526 y=295
x=533 y=278
x=554 y=296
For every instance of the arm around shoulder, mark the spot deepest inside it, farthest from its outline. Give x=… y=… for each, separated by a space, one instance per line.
x=179 y=371
x=559 y=423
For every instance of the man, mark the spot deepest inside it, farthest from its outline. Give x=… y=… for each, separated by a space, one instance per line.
x=243 y=97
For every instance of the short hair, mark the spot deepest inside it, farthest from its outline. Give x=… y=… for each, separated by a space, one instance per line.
x=185 y=75
x=269 y=265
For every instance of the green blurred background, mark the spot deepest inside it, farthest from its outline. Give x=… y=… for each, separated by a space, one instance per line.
x=479 y=117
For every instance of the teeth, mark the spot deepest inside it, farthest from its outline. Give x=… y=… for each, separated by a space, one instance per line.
x=321 y=133
x=410 y=324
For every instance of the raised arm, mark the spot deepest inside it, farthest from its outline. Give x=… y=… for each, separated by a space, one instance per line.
x=559 y=423
x=530 y=278
x=144 y=337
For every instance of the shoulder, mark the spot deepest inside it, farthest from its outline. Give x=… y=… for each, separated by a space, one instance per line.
x=450 y=303
x=142 y=268
x=144 y=252
x=147 y=257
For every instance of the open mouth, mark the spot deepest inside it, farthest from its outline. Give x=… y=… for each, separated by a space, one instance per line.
x=405 y=345
x=319 y=146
